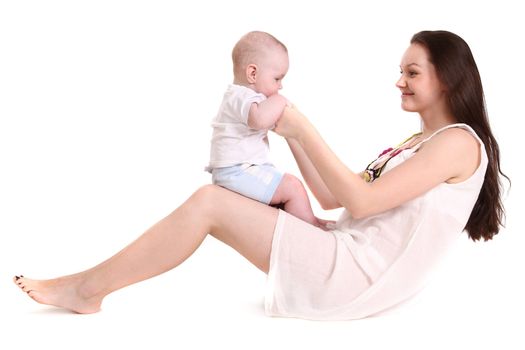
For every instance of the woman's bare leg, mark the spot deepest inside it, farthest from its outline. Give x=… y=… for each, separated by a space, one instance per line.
x=242 y=223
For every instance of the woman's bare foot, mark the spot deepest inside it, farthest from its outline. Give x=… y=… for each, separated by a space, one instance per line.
x=65 y=292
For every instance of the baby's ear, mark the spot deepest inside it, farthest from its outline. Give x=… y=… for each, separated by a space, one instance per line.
x=251 y=73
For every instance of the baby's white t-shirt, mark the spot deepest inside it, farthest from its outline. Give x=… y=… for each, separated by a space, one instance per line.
x=233 y=141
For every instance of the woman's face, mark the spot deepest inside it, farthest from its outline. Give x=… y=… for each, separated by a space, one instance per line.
x=421 y=90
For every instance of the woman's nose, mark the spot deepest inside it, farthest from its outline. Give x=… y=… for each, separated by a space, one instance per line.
x=401 y=83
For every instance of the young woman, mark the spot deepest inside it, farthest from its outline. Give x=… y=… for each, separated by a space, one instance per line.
x=400 y=216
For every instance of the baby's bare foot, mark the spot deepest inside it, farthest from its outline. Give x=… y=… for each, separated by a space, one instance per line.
x=61 y=292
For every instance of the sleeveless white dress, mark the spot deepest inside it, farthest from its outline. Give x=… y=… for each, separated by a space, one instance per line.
x=365 y=266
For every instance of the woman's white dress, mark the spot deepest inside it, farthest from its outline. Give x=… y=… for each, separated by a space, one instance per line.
x=363 y=267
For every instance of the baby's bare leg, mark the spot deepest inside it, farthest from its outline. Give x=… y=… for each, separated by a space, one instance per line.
x=292 y=194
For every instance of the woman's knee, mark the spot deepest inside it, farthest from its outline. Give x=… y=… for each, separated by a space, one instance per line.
x=206 y=190
x=210 y=198
x=205 y=195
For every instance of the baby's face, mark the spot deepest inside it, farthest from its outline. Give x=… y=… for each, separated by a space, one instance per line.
x=271 y=72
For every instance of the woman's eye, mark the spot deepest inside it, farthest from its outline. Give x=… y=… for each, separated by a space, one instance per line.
x=409 y=73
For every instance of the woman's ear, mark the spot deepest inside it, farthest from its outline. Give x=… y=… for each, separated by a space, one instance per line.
x=251 y=73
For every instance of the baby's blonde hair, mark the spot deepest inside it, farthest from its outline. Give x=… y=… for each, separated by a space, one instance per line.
x=251 y=48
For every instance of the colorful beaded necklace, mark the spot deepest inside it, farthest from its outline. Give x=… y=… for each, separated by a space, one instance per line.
x=375 y=168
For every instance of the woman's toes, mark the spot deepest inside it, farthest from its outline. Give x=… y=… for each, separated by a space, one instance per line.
x=31 y=293
x=21 y=282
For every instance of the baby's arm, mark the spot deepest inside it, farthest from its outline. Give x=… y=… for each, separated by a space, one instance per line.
x=265 y=114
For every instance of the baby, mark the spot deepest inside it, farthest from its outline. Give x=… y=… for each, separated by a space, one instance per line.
x=239 y=157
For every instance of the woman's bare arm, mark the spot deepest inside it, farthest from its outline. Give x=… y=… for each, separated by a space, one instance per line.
x=312 y=178
x=450 y=156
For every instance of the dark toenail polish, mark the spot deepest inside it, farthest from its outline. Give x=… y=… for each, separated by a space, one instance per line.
x=17 y=278
x=21 y=275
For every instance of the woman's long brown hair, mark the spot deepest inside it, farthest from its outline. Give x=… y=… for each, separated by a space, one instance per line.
x=457 y=70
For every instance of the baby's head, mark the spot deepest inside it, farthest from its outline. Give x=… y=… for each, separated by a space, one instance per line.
x=260 y=62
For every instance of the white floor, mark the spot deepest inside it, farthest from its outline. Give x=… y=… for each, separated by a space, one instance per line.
x=215 y=300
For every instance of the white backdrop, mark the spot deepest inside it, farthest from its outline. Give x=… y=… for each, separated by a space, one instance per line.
x=104 y=129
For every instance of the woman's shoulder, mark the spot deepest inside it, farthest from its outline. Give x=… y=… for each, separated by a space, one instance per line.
x=456 y=138
x=460 y=147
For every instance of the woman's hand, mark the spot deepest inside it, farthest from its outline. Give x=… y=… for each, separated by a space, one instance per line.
x=326 y=225
x=291 y=123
